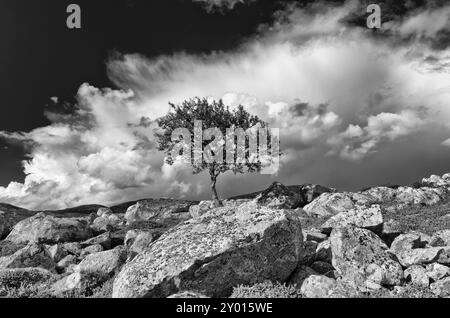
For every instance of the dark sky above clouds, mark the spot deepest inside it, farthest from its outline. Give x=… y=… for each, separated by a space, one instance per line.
x=41 y=58
x=355 y=107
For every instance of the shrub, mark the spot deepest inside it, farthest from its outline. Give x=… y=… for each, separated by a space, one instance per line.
x=266 y=290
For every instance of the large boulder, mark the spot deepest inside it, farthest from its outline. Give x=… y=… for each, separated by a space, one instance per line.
x=368 y=218
x=425 y=196
x=141 y=242
x=103 y=212
x=361 y=257
x=437 y=271
x=42 y=228
x=91 y=249
x=226 y=247
x=107 y=222
x=158 y=210
x=419 y=256
x=409 y=241
x=377 y=195
x=441 y=288
x=32 y=255
x=103 y=239
x=77 y=283
x=103 y=263
x=414 y=249
x=329 y=204
x=278 y=196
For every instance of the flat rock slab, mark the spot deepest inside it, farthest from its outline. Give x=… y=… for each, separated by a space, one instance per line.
x=211 y=254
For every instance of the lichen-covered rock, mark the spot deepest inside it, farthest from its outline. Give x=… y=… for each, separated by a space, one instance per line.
x=103 y=239
x=361 y=257
x=92 y=249
x=419 y=256
x=414 y=249
x=377 y=195
x=417 y=275
x=226 y=247
x=32 y=255
x=329 y=204
x=441 y=288
x=105 y=263
x=316 y=286
x=77 y=283
x=107 y=223
x=426 y=196
x=368 y=218
x=410 y=241
x=42 y=228
x=104 y=212
x=278 y=196
x=437 y=271
x=437 y=181
x=141 y=242
x=158 y=210
x=73 y=248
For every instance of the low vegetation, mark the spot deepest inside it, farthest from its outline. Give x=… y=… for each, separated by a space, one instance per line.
x=266 y=290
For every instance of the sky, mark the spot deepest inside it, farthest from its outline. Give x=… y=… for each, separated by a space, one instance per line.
x=355 y=107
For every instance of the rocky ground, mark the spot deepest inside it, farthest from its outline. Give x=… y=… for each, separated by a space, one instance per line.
x=303 y=241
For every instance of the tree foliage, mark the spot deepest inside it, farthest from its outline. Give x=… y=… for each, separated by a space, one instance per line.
x=213 y=114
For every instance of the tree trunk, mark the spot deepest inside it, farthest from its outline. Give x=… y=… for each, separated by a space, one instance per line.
x=215 y=197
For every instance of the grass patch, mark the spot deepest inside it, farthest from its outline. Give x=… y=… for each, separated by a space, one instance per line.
x=266 y=290
x=425 y=219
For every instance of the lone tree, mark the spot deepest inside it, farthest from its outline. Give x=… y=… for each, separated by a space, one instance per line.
x=222 y=121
